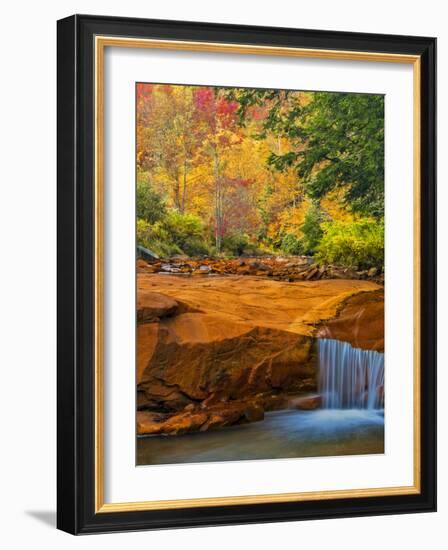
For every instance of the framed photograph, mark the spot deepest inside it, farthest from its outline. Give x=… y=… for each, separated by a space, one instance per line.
x=246 y=274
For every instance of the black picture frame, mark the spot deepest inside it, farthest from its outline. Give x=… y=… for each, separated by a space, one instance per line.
x=76 y=272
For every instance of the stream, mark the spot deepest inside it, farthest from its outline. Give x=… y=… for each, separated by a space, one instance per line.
x=351 y=421
x=282 y=434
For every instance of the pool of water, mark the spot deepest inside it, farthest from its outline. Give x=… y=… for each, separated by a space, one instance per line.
x=282 y=434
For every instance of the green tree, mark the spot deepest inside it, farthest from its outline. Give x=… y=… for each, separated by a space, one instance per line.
x=311 y=228
x=292 y=245
x=337 y=142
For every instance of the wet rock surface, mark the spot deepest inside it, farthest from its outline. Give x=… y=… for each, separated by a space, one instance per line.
x=221 y=350
x=199 y=419
x=360 y=321
x=200 y=357
x=152 y=306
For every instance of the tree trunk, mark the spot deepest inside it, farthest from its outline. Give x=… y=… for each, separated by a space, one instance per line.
x=218 y=204
x=184 y=188
x=177 y=198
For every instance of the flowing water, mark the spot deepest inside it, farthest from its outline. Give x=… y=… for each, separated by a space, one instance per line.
x=350 y=422
x=350 y=378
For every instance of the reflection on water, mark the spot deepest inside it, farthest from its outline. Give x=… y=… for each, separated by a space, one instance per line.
x=282 y=434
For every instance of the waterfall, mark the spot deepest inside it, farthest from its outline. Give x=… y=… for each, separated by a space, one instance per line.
x=350 y=378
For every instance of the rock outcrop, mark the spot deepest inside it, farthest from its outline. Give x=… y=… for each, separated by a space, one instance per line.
x=198 y=356
x=294 y=307
x=220 y=350
x=199 y=419
x=151 y=306
x=360 y=321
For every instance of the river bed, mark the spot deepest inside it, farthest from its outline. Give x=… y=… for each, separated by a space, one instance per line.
x=282 y=434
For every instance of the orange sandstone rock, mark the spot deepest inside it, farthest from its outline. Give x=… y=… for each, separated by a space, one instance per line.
x=230 y=347
x=360 y=322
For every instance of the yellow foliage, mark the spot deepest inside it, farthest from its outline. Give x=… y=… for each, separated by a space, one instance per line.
x=202 y=164
x=334 y=209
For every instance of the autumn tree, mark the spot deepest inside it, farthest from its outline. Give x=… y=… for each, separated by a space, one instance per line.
x=230 y=171
x=217 y=119
x=167 y=136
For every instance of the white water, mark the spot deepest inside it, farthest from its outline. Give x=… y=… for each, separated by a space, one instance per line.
x=350 y=378
x=351 y=421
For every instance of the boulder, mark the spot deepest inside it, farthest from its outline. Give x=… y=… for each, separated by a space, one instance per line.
x=359 y=321
x=150 y=423
x=154 y=424
x=306 y=403
x=147 y=336
x=312 y=273
x=253 y=412
x=144 y=267
x=152 y=306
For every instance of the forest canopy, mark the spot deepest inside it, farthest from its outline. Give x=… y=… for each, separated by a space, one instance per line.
x=226 y=172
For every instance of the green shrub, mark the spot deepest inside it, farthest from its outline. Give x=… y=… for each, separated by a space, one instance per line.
x=359 y=244
x=186 y=231
x=154 y=237
x=195 y=247
x=149 y=204
x=176 y=234
x=292 y=245
x=235 y=245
